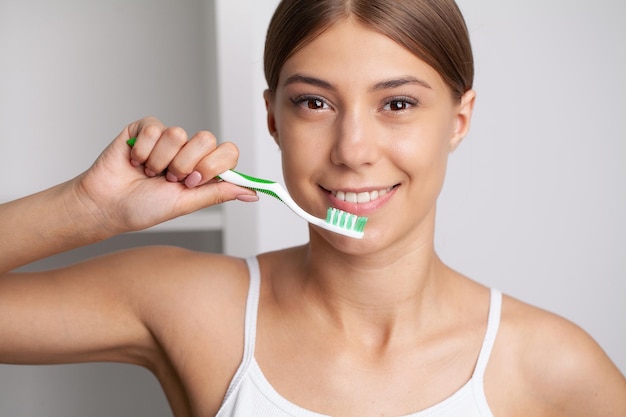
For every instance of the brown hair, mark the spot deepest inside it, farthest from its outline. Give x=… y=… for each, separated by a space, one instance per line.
x=434 y=30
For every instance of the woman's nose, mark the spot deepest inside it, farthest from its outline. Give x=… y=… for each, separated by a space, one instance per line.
x=355 y=143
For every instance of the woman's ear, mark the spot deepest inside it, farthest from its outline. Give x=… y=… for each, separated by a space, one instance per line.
x=268 y=96
x=463 y=118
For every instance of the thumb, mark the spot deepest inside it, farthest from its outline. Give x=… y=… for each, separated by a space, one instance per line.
x=213 y=193
x=230 y=192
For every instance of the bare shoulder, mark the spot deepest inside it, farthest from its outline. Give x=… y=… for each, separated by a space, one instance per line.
x=175 y=290
x=194 y=305
x=118 y=303
x=177 y=312
x=182 y=266
x=191 y=281
x=553 y=366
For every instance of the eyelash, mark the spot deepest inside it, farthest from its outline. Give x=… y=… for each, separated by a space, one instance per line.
x=407 y=103
x=321 y=104
x=305 y=102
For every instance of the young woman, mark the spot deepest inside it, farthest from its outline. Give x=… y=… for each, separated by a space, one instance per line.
x=365 y=99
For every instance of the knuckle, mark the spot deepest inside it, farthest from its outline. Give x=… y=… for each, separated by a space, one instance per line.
x=152 y=131
x=176 y=134
x=148 y=120
x=230 y=150
x=224 y=157
x=207 y=140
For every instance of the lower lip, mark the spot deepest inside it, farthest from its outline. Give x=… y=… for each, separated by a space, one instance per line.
x=360 y=209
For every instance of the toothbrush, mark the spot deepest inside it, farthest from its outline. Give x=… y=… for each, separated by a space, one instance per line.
x=337 y=221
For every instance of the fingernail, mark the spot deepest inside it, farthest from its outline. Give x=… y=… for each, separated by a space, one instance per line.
x=171 y=177
x=150 y=173
x=134 y=163
x=247 y=198
x=193 y=179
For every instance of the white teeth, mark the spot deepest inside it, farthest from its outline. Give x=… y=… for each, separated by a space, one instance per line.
x=364 y=197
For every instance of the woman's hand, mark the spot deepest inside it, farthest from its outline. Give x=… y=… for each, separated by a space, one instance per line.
x=164 y=175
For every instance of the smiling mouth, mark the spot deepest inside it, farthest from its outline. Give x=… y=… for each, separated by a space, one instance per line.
x=362 y=197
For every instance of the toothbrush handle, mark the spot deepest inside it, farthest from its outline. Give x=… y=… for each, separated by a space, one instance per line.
x=244 y=180
x=271 y=188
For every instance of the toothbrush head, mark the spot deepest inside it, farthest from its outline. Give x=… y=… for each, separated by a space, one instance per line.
x=347 y=223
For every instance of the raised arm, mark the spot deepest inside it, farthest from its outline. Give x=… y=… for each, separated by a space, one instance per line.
x=164 y=176
x=95 y=310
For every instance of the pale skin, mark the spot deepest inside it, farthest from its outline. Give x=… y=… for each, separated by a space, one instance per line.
x=347 y=327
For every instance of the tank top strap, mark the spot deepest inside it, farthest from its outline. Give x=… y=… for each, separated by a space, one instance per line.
x=252 y=307
x=493 y=323
x=250 y=319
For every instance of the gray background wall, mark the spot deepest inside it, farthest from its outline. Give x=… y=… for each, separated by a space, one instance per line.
x=535 y=202
x=72 y=74
x=534 y=199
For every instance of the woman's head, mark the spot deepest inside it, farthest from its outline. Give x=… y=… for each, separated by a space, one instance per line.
x=434 y=30
x=366 y=100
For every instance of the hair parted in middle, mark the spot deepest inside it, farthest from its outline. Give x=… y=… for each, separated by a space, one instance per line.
x=433 y=30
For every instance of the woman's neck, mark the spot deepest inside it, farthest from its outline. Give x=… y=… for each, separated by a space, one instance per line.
x=373 y=298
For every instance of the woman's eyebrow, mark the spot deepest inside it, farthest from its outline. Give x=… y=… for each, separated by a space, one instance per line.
x=383 y=85
x=301 y=78
x=398 y=82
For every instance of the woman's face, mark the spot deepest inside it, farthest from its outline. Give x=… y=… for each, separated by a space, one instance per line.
x=365 y=126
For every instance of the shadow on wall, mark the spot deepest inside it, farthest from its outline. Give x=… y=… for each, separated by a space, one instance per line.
x=204 y=241
x=95 y=390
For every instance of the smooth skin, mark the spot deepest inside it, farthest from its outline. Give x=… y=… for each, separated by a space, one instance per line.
x=347 y=327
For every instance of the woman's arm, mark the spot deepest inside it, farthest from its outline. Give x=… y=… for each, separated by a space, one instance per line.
x=94 y=310
x=124 y=190
x=86 y=312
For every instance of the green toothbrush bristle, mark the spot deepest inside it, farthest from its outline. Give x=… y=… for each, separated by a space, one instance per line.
x=360 y=224
x=345 y=220
x=267 y=192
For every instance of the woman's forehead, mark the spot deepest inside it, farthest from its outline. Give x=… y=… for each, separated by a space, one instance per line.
x=351 y=52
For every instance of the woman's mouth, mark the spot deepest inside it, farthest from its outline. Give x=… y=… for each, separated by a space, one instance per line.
x=361 y=197
x=361 y=203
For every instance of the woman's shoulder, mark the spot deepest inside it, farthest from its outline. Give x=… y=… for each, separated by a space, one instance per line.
x=194 y=305
x=168 y=275
x=555 y=362
x=175 y=288
x=542 y=335
x=177 y=271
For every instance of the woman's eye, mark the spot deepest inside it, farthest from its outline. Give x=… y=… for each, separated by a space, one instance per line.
x=315 y=104
x=399 y=104
x=311 y=103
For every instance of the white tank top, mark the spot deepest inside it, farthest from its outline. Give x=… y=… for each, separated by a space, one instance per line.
x=250 y=394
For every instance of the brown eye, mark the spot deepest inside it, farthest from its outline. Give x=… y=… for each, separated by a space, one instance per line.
x=310 y=102
x=315 y=104
x=397 y=105
x=400 y=104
